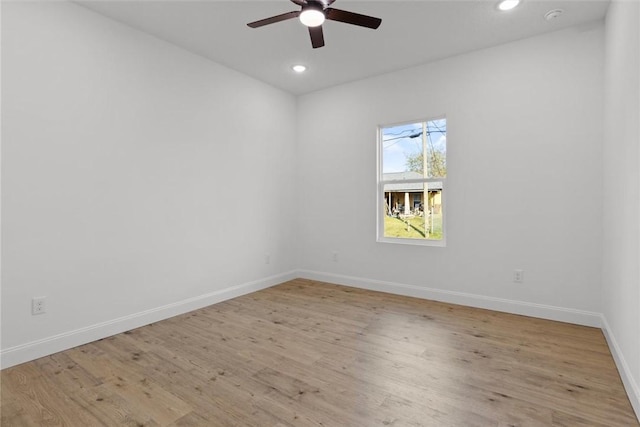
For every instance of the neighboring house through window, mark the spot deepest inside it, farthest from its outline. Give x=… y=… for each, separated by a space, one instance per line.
x=412 y=174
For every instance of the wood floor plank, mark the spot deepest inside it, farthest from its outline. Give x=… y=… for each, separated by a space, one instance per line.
x=307 y=353
x=40 y=400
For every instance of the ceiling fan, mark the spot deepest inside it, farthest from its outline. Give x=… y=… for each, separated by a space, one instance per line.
x=314 y=13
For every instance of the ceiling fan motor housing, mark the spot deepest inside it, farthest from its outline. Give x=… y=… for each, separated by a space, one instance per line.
x=322 y=3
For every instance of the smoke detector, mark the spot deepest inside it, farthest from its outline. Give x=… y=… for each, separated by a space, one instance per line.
x=553 y=14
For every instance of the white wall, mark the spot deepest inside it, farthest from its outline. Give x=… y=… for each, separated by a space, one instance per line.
x=138 y=180
x=621 y=201
x=525 y=177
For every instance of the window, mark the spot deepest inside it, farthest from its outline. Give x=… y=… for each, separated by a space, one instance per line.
x=412 y=175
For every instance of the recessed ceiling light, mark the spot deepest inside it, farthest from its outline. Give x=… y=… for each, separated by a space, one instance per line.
x=553 y=14
x=299 y=68
x=505 y=5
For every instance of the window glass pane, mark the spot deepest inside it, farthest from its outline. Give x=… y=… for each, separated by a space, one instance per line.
x=402 y=151
x=436 y=148
x=404 y=148
x=413 y=210
x=434 y=211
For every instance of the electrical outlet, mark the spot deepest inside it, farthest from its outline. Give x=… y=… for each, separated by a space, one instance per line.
x=335 y=257
x=38 y=305
x=267 y=259
x=518 y=276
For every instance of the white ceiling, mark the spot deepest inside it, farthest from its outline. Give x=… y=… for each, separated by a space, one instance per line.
x=412 y=33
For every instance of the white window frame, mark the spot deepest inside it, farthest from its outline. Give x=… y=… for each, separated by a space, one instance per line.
x=380 y=199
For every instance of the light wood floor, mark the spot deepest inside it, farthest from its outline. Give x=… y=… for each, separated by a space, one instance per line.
x=306 y=353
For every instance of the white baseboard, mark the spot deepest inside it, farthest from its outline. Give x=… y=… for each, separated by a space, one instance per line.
x=569 y=315
x=46 y=346
x=630 y=385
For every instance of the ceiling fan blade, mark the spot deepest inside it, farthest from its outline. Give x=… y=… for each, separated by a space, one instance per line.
x=352 y=18
x=317 y=37
x=274 y=19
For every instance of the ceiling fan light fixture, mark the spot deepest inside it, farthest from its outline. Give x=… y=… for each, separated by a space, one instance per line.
x=505 y=5
x=312 y=17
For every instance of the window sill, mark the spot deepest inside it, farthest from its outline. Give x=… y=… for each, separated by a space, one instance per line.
x=413 y=242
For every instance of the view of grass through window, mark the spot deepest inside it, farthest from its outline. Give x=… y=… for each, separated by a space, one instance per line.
x=414 y=171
